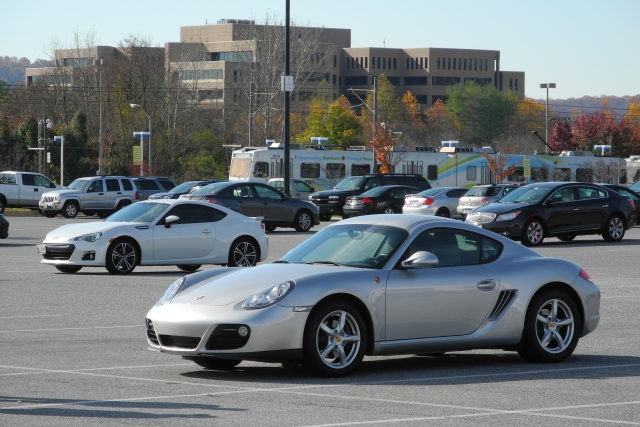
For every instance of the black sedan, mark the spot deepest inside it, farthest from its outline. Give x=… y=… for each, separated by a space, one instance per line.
x=257 y=199
x=626 y=191
x=558 y=209
x=387 y=199
x=184 y=188
x=4 y=227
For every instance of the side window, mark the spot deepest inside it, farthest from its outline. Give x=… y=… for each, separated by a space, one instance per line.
x=490 y=251
x=242 y=191
x=462 y=192
x=453 y=194
x=471 y=173
x=112 y=185
x=493 y=191
x=147 y=185
x=335 y=170
x=267 y=193
x=389 y=180
x=563 y=195
x=278 y=185
x=310 y=170
x=42 y=181
x=191 y=214
x=360 y=169
x=302 y=186
x=590 y=193
x=7 y=178
x=126 y=185
x=167 y=184
x=96 y=186
x=507 y=190
x=432 y=172
x=372 y=183
x=27 y=179
x=261 y=170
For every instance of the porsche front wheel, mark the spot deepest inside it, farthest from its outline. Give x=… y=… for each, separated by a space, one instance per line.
x=334 y=341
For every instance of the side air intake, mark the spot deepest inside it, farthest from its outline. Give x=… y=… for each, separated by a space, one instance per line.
x=504 y=299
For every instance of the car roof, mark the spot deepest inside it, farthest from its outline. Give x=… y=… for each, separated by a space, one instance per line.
x=406 y=221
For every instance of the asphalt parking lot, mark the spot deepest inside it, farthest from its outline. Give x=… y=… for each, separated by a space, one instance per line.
x=73 y=353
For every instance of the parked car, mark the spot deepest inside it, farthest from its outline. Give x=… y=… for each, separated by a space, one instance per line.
x=22 y=189
x=100 y=195
x=447 y=286
x=635 y=187
x=387 y=199
x=299 y=189
x=4 y=227
x=481 y=195
x=160 y=232
x=184 y=188
x=441 y=201
x=626 y=191
x=148 y=185
x=558 y=209
x=330 y=202
x=258 y=199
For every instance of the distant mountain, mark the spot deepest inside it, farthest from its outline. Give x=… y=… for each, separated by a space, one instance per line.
x=590 y=104
x=12 y=68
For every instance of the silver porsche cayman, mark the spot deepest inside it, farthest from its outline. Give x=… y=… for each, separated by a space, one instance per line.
x=379 y=285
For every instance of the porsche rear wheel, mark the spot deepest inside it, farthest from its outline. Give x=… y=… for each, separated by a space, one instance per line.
x=122 y=257
x=189 y=267
x=334 y=340
x=551 y=329
x=243 y=253
x=68 y=268
x=214 y=363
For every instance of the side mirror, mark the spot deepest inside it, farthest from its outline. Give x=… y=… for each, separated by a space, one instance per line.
x=421 y=259
x=170 y=220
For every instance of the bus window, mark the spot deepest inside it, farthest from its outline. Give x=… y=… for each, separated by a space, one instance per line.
x=432 y=172
x=584 y=175
x=261 y=170
x=472 y=173
x=517 y=175
x=357 y=170
x=240 y=167
x=623 y=176
x=335 y=170
x=310 y=170
x=539 y=175
x=562 y=174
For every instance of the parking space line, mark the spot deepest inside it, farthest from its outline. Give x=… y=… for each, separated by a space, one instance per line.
x=621 y=296
x=37 y=315
x=73 y=329
x=114 y=368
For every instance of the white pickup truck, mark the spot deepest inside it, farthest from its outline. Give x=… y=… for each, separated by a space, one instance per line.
x=22 y=189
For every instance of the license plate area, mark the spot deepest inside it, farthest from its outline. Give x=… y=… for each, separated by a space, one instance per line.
x=413 y=203
x=42 y=249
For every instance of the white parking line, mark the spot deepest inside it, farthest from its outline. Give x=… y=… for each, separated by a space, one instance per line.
x=113 y=368
x=621 y=296
x=37 y=315
x=73 y=329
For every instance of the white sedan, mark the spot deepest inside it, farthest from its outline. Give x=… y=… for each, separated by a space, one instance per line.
x=178 y=232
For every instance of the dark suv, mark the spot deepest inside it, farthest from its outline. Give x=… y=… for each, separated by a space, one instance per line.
x=148 y=185
x=330 y=202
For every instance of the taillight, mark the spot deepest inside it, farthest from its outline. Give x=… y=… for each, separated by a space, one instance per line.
x=484 y=201
x=405 y=202
x=633 y=205
x=585 y=275
x=367 y=200
x=428 y=201
x=215 y=201
x=263 y=226
x=137 y=196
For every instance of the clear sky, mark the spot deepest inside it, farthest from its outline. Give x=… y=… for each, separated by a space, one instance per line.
x=586 y=47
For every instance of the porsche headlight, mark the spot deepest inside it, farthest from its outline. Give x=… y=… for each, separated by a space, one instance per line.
x=89 y=237
x=508 y=217
x=269 y=296
x=173 y=290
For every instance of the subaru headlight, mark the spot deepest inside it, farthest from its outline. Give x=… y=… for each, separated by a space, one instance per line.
x=173 y=290
x=508 y=216
x=89 y=237
x=269 y=296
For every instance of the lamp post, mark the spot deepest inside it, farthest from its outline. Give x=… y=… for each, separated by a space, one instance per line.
x=546 y=111
x=60 y=139
x=134 y=106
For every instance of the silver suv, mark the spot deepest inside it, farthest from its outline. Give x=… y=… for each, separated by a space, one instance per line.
x=481 y=195
x=100 y=195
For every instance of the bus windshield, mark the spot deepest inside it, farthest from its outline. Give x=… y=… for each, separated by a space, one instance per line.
x=240 y=167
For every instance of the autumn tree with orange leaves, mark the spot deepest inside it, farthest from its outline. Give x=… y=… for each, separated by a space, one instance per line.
x=497 y=165
x=383 y=142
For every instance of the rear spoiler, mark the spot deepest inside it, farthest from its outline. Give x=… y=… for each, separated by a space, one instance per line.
x=259 y=220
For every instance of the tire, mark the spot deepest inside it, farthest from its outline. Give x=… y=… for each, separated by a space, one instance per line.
x=343 y=216
x=567 y=237
x=103 y=214
x=70 y=210
x=122 y=257
x=303 y=221
x=388 y=210
x=613 y=229
x=189 y=267
x=443 y=212
x=214 y=363
x=50 y=214
x=326 y=352
x=243 y=253
x=543 y=339
x=532 y=233
x=269 y=228
x=325 y=217
x=68 y=268
x=3 y=204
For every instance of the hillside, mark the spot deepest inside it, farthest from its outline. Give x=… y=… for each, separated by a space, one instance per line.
x=12 y=68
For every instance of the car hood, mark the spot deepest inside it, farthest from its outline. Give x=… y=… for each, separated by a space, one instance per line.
x=240 y=283
x=63 y=192
x=70 y=231
x=328 y=193
x=498 y=208
x=157 y=195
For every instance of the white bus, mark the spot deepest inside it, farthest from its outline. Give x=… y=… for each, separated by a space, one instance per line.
x=633 y=169
x=453 y=166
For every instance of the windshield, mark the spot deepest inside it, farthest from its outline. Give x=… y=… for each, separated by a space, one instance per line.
x=527 y=194
x=431 y=192
x=355 y=245
x=636 y=187
x=483 y=191
x=210 y=189
x=139 y=212
x=374 y=192
x=240 y=167
x=352 y=183
x=78 y=184
x=183 y=188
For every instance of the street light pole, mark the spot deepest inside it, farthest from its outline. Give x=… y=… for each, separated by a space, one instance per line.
x=546 y=111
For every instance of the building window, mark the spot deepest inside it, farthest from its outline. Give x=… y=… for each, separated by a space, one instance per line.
x=335 y=61
x=235 y=76
x=347 y=63
x=421 y=63
x=459 y=63
x=407 y=63
x=355 y=80
x=378 y=63
x=239 y=56
x=373 y=62
x=448 y=63
x=334 y=79
x=438 y=66
x=475 y=65
x=394 y=63
x=422 y=99
x=444 y=81
x=394 y=80
x=416 y=81
x=204 y=95
x=485 y=65
x=426 y=62
x=510 y=84
x=465 y=64
x=200 y=74
x=366 y=62
x=384 y=63
x=516 y=85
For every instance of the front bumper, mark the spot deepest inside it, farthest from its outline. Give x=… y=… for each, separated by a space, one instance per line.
x=55 y=206
x=330 y=208
x=512 y=229
x=274 y=331
x=73 y=252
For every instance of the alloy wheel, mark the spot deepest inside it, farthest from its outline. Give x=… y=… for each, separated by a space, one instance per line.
x=534 y=233
x=244 y=254
x=616 y=228
x=555 y=326
x=123 y=257
x=338 y=339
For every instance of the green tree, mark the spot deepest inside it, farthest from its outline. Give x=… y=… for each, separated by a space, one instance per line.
x=390 y=109
x=483 y=111
x=335 y=120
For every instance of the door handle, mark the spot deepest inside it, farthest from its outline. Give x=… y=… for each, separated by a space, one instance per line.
x=605 y=206
x=265 y=203
x=35 y=189
x=486 y=285
x=100 y=194
x=118 y=192
x=575 y=209
x=206 y=231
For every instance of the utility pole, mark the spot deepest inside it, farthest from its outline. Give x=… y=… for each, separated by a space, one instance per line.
x=286 y=77
x=46 y=146
x=98 y=64
x=251 y=90
x=375 y=118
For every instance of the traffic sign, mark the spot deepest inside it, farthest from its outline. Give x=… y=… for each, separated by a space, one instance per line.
x=137 y=155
